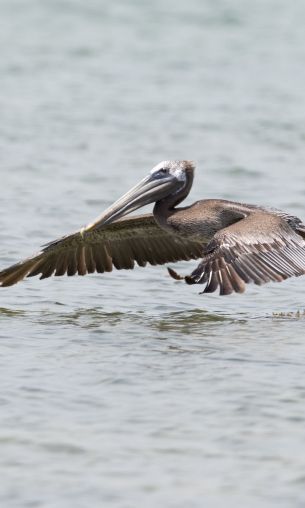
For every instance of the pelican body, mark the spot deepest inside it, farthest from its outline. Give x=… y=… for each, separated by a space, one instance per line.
x=235 y=242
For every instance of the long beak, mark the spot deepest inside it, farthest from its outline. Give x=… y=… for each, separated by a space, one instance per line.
x=149 y=190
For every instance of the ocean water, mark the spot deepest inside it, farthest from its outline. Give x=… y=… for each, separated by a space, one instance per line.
x=130 y=389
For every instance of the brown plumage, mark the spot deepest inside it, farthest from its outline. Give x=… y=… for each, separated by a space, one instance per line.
x=238 y=243
x=242 y=253
x=117 y=245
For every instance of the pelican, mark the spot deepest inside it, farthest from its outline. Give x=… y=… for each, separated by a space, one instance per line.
x=237 y=243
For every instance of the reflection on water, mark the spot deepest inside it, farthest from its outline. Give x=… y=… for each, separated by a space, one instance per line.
x=11 y=313
x=84 y=318
x=91 y=318
x=189 y=322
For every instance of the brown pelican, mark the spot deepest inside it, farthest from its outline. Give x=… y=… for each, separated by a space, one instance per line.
x=237 y=243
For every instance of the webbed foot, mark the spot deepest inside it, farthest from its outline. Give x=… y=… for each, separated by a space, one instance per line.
x=187 y=278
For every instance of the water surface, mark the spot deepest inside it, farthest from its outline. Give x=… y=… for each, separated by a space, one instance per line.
x=131 y=389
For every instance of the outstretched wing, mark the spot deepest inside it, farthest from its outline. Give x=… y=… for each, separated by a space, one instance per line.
x=261 y=248
x=120 y=244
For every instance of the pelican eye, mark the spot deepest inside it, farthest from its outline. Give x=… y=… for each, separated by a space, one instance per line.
x=163 y=171
x=160 y=172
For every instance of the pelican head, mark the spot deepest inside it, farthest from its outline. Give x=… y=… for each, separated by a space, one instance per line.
x=165 y=179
